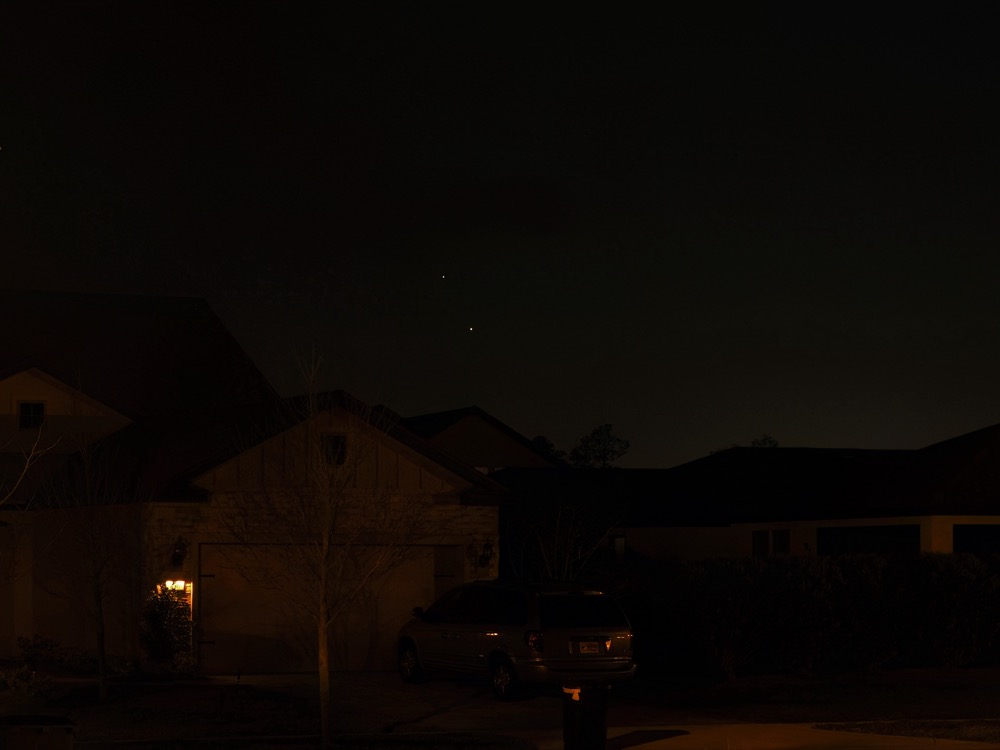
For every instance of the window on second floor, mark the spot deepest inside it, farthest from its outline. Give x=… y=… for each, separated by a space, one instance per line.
x=30 y=414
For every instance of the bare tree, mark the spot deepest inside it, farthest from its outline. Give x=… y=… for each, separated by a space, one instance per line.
x=323 y=524
x=558 y=533
x=31 y=454
x=95 y=552
x=20 y=454
x=562 y=533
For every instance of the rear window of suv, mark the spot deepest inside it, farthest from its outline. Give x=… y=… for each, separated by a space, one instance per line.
x=579 y=610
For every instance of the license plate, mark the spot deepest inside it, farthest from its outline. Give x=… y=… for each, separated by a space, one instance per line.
x=589 y=647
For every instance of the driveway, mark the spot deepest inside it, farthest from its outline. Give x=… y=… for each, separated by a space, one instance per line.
x=751 y=737
x=381 y=702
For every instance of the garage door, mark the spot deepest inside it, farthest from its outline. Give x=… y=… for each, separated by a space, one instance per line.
x=250 y=627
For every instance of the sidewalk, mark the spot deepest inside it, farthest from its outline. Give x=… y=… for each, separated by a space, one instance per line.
x=752 y=737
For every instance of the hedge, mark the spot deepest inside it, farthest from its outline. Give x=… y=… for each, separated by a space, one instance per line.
x=815 y=615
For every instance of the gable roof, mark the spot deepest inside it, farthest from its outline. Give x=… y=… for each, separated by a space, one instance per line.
x=958 y=476
x=478 y=439
x=168 y=364
x=179 y=448
x=738 y=485
x=768 y=484
x=622 y=492
x=142 y=356
x=428 y=425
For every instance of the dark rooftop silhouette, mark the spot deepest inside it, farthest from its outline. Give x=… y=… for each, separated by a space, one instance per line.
x=140 y=355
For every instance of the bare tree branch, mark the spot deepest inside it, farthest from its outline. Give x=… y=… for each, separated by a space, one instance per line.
x=31 y=456
x=323 y=524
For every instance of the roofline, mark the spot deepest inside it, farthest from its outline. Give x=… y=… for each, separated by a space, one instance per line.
x=502 y=426
x=296 y=410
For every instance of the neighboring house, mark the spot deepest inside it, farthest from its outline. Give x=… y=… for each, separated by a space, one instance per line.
x=803 y=501
x=141 y=356
x=182 y=425
x=42 y=421
x=479 y=439
x=770 y=502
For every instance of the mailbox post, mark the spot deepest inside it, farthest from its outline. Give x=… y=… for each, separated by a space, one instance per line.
x=585 y=717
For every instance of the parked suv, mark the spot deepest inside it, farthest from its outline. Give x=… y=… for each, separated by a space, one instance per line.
x=517 y=632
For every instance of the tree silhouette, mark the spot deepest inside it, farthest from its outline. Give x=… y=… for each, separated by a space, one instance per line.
x=599 y=449
x=546 y=447
x=321 y=525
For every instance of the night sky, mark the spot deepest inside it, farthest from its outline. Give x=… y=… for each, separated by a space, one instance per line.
x=699 y=227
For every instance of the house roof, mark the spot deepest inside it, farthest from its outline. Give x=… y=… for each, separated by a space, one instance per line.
x=766 y=484
x=624 y=492
x=740 y=485
x=428 y=425
x=167 y=363
x=732 y=486
x=960 y=476
x=179 y=448
x=497 y=446
x=142 y=356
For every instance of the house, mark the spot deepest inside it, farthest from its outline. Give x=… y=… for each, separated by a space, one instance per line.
x=159 y=437
x=804 y=501
x=762 y=502
x=445 y=515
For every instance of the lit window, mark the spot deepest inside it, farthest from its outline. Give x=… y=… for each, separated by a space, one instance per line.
x=31 y=414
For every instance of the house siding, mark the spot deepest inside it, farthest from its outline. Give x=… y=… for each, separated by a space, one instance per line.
x=246 y=628
x=930 y=534
x=15 y=582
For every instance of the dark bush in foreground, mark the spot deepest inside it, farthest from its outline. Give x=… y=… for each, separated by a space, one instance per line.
x=165 y=632
x=815 y=615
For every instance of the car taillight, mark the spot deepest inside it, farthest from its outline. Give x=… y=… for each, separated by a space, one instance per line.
x=534 y=640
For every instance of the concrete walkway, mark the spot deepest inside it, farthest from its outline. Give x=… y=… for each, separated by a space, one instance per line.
x=752 y=737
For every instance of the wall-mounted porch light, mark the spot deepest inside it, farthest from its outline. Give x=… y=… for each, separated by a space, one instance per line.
x=486 y=555
x=178 y=553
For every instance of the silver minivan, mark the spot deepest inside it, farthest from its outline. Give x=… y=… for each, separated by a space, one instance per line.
x=516 y=633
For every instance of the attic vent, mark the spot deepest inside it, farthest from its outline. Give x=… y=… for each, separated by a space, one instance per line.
x=334 y=449
x=31 y=414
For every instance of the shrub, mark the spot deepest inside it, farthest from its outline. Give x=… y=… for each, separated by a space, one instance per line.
x=816 y=615
x=37 y=650
x=20 y=681
x=947 y=611
x=165 y=632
